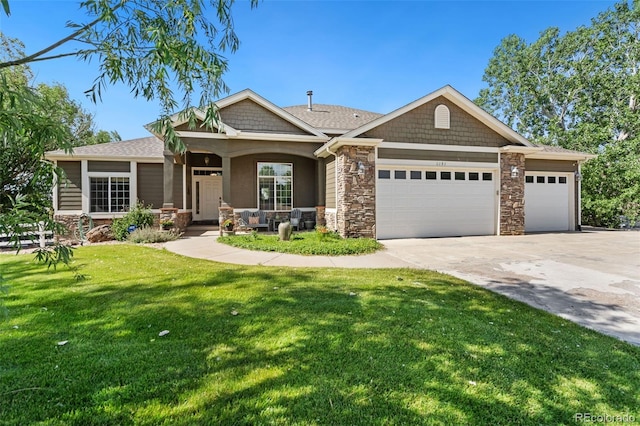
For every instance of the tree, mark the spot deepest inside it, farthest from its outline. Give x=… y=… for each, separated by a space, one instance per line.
x=151 y=45
x=32 y=121
x=580 y=91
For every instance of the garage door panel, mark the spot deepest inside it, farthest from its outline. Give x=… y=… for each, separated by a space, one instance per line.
x=435 y=208
x=547 y=203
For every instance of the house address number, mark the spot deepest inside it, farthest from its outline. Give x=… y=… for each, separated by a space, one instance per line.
x=441 y=163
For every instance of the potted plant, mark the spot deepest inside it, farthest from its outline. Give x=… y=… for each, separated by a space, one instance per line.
x=228 y=225
x=166 y=224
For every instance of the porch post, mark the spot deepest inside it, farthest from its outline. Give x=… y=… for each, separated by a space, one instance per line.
x=167 y=201
x=226 y=179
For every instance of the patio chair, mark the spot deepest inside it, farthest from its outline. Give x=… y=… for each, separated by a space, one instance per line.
x=296 y=216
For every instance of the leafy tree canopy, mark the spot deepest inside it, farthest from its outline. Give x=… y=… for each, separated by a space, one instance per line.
x=579 y=90
x=152 y=46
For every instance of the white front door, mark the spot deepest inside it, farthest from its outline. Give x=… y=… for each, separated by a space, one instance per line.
x=207 y=191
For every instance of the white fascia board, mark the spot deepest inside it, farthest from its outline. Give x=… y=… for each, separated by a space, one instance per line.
x=437 y=147
x=436 y=164
x=250 y=94
x=73 y=157
x=568 y=156
x=460 y=100
x=335 y=143
x=279 y=137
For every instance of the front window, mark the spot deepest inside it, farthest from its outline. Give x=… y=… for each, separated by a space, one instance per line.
x=275 y=186
x=109 y=194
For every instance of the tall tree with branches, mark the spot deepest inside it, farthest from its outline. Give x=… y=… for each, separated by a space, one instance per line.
x=579 y=90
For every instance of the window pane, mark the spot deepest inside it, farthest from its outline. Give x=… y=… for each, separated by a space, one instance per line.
x=460 y=176
x=119 y=194
x=551 y=179
x=474 y=176
x=400 y=174
x=283 y=193
x=99 y=195
x=445 y=175
x=528 y=179
x=384 y=174
x=266 y=193
x=540 y=179
x=562 y=179
x=416 y=174
x=487 y=176
x=265 y=169
x=431 y=175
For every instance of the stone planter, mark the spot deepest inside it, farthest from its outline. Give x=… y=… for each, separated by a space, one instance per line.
x=226 y=232
x=308 y=224
x=284 y=231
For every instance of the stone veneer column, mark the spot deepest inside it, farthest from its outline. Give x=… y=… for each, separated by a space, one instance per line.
x=356 y=204
x=511 y=194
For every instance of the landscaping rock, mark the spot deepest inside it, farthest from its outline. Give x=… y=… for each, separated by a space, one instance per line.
x=99 y=234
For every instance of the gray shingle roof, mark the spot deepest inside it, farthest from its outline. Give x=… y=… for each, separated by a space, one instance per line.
x=334 y=117
x=552 y=148
x=149 y=147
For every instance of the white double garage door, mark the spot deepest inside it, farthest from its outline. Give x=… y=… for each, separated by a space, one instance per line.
x=415 y=202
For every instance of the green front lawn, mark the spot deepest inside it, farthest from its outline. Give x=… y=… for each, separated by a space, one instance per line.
x=305 y=243
x=262 y=345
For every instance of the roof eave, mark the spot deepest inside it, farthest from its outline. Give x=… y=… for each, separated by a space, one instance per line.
x=332 y=146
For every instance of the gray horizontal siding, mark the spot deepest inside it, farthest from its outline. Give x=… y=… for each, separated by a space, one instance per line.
x=70 y=186
x=150 y=182
x=330 y=197
x=419 y=154
x=109 y=166
x=550 y=166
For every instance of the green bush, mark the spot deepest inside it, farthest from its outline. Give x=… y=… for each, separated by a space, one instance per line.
x=139 y=216
x=150 y=235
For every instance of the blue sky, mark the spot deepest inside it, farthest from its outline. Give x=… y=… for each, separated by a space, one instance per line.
x=372 y=55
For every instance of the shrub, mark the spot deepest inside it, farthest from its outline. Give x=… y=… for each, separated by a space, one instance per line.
x=150 y=235
x=139 y=216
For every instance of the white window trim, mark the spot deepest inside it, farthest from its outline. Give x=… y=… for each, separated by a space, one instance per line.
x=258 y=176
x=132 y=174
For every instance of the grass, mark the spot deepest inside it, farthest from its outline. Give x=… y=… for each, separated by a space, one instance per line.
x=307 y=346
x=305 y=243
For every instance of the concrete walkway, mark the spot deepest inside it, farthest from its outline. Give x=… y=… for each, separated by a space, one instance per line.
x=201 y=242
x=591 y=277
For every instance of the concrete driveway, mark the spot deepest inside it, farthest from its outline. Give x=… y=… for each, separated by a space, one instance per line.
x=590 y=277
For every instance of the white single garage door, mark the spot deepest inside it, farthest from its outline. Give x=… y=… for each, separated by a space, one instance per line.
x=414 y=203
x=548 y=204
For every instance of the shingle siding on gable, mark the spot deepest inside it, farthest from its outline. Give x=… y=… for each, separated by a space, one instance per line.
x=417 y=126
x=70 y=187
x=249 y=116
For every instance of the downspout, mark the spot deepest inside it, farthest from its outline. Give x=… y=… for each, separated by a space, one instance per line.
x=579 y=195
x=335 y=174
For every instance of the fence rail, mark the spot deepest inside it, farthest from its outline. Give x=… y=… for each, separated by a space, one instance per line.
x=34 y=235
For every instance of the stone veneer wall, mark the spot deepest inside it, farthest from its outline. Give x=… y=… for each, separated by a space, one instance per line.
x=511 y=194
x=320 y=216
x=330 y=220
x=356 y=209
